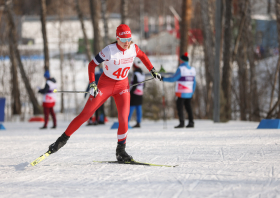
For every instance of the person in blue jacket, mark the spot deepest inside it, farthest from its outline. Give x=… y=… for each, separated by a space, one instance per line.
x=185 y=87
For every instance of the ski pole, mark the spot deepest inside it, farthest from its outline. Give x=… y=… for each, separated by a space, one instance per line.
x=141 y=82
x=55 y=91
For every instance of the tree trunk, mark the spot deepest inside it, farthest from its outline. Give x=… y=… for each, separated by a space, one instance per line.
x=16 y=106
x=44 y=33
x=217 y=84
x=278 y=28
x=95 y=16
x=240 y=29
x=124 y=9
x=242 y=57
x=226 y=73
x=185 y=25
x=86 y=42
x=274 y=83
x=73 y=71
x=105 y=22
x=106 y=42
x=242 y=79
x=36 y=107
x=254 y=96
x=272 y=109
x=208 y=47
x=61 y=55
x=141 y=22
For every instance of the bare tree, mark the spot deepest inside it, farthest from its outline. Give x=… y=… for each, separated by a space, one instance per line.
x=278 y=63
x=113 y=111
x=218 y=35
x=95 y=16
x=61 y=56
x=254 y=96
x=185 y=25
x=226 y=74
x=124 y=10
x=80 y=15
x=44 y=33
x=208 y=48
x=105 y=22
x=242 y=79
x=243 y=51
x=36 y=107
x=16 y=106
x=73 y=71
x=241 y=58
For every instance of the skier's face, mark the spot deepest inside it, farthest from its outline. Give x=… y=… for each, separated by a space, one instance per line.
x=125 y=44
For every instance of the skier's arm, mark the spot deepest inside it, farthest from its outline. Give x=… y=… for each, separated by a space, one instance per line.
x=91 y=70
x=143 y=57
x=45 y=90
x=173 y=78
x=99 y=58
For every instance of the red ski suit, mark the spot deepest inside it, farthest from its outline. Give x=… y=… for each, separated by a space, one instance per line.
x=118 y=89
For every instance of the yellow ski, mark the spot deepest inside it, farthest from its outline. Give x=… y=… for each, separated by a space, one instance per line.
x=134 y=163
x=41 y=158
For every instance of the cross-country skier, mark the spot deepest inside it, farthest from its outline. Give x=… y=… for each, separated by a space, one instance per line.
x=118 y=58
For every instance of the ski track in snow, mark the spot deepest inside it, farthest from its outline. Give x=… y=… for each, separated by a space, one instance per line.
x=231 y=159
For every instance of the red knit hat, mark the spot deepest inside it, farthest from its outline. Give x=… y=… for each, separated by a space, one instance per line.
x=185 y=57
x=123 y=31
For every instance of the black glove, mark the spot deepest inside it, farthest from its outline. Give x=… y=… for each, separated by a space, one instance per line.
x=93 y=90
x=155 y=74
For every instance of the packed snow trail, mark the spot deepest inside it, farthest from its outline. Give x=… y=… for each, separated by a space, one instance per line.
x=215 y=160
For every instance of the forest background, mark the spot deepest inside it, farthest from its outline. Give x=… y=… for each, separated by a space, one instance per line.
x=233 y=45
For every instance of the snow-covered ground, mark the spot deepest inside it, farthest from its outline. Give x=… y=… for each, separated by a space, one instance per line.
x=214 y=160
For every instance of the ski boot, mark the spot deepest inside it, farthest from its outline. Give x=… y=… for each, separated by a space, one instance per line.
x=60 y=142
x=137 y=125
x=181 y=125
x=190 y=125
x=121 y=153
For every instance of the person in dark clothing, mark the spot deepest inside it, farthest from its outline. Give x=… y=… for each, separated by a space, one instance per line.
x=99 y=113
x=49 y=99
x=185 y=87
x=136 y=93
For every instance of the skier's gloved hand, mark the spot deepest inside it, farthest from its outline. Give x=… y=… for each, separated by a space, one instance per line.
x=93 y=90
x=155 y=74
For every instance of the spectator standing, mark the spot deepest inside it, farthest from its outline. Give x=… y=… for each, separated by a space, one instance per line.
x=185 y=87
x=136 y=92
x=49 y=99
